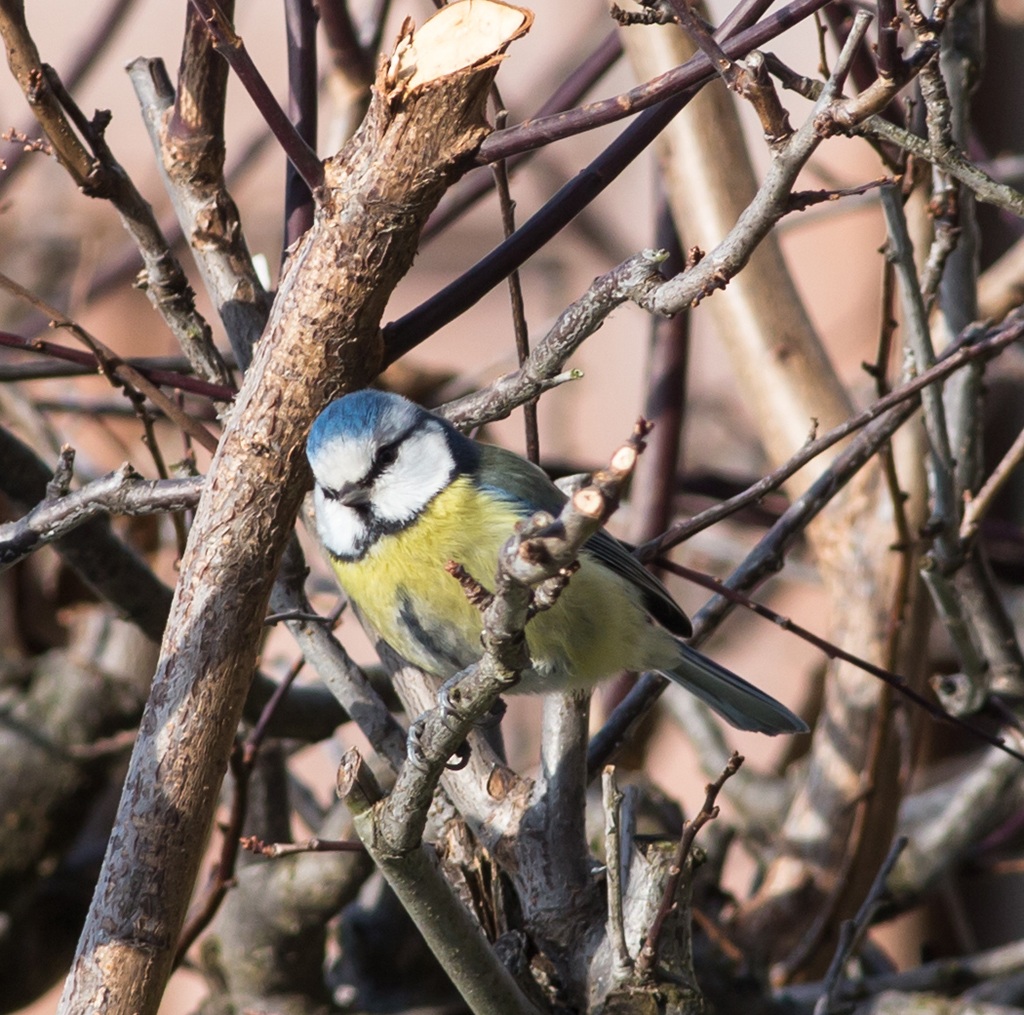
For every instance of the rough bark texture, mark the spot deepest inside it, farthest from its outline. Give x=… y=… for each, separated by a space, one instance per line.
x=322 y=339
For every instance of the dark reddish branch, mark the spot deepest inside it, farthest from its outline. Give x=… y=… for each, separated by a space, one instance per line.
x=665 y=404
x=300 y=25
x=575 y=85
x=407 y=332
x=697 y=71
x=888 y=56
x=230 y=46
x=343 y=42
x=89 y=361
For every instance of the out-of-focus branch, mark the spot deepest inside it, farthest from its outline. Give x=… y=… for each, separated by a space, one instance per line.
x=89 y=363
x=98 y=174
x=786 y=384
x=188 y=138
x=92 y=550
x=771 y=202
x=889 y=419
x=268 y=939
x=832 y=651
x=115 y=369
x=950 y=974
x=104 y=31
x=123 y=492
x=65 y=730
x=969 y=347
x=853 y=931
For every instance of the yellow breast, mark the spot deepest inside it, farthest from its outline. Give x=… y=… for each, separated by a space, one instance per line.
x=401 y=583
x=596 y=628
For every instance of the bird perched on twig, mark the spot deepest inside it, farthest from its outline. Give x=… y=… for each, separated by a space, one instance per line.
x=399 y=493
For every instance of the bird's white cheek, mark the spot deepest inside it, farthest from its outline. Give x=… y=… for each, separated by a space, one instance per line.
x=342 y=530
x=424 y=468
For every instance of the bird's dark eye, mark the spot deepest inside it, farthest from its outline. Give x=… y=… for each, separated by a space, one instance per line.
x=385 y=457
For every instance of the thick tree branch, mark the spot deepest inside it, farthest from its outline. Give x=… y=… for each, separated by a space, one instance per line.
x=322 y=339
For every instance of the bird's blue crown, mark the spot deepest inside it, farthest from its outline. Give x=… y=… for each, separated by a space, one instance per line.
x=361 y=412
x=387 y=415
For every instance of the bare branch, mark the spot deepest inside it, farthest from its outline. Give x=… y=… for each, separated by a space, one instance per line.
x=230 y=45
x=98 y=174
x=323 y=337
x=123 y=492
x=446 y=925
x=192 y=165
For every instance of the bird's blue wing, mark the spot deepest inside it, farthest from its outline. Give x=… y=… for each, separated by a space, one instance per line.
x=518 y=481
x=521 y=482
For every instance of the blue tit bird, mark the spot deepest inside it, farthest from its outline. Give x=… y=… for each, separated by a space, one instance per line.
x=399 y=493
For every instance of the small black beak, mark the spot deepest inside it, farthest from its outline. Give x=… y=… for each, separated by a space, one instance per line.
x=351 y=494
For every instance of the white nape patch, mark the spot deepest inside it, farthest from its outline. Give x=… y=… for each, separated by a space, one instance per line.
x=341 y=529
x=422 y=470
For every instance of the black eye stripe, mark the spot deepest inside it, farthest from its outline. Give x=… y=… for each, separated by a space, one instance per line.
x=386 y=456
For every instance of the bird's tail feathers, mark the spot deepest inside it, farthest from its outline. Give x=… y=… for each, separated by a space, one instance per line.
x=740 y=703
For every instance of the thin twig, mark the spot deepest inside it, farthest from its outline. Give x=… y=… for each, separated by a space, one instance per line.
x=114 y=367
x=648 y=958
x=966 y=349
x=123 y=492
x=274 y=850
x=852 y=931
x=738 y=34
x=158 y=369
x=977 y=506
x=515 y=291
x=894 y=680
x=243 y=763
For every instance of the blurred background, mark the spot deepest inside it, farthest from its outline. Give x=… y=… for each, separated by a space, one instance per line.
x=73 y=253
